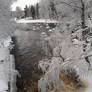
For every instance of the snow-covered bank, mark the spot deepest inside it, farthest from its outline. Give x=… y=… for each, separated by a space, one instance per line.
x=89 y=80
x=68 y=64
x=36 y=21
x=7 y=67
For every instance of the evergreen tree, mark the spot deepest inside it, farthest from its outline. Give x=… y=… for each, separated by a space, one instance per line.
x=30 y=14
x=37 y=10
x=26 y=11
x=33 y=12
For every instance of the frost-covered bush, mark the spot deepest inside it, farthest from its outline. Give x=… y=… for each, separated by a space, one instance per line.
x=6 y=42
x=55 y=68
x=68 y=59
x=51 y=76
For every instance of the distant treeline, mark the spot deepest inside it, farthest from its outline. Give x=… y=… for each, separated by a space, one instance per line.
x=37 y=11
x=32 y=11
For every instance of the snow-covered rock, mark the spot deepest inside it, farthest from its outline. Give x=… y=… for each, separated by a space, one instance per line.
x=3 y=86
x=50 y=30
x=77 y=42
x=43 y=33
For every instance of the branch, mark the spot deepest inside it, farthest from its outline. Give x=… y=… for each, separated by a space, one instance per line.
x=69 y=4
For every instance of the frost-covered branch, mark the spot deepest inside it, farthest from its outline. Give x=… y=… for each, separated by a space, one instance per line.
x=69 y=4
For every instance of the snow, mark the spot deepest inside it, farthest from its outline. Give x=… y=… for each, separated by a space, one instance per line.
x=73 y=58
x=51 y=75
x=89 y=80
x=4 y=72
x=6 y=42
x=50 y=30
x=4 y=53
x=43 y=33
x=7 y=69
x=34 y=29
x=55 y=65
x=3 y=86
x=43 y=65
x=36 y=21
x=76 y=42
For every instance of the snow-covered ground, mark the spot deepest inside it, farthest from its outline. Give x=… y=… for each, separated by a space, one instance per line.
x=36 y=21
x=88 y=79
x=7 y=69
x=90 y=84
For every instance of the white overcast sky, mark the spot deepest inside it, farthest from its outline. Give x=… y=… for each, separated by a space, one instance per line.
x=22 y=3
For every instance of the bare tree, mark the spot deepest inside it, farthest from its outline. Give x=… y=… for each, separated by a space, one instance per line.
x=37 y=10
x=78 y=5
x=19 y=12
x=52 y=10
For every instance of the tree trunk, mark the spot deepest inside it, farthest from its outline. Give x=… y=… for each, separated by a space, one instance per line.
x=83 y=15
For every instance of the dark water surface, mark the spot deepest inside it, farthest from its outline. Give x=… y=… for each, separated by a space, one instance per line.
x=27 y=53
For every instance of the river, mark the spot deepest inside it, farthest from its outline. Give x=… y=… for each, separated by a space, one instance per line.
x=28 y=53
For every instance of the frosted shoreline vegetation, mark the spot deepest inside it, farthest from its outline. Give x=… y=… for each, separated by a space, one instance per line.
x=68 y=56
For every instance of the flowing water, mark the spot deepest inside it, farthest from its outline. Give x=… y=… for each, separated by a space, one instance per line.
x=27 y=53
